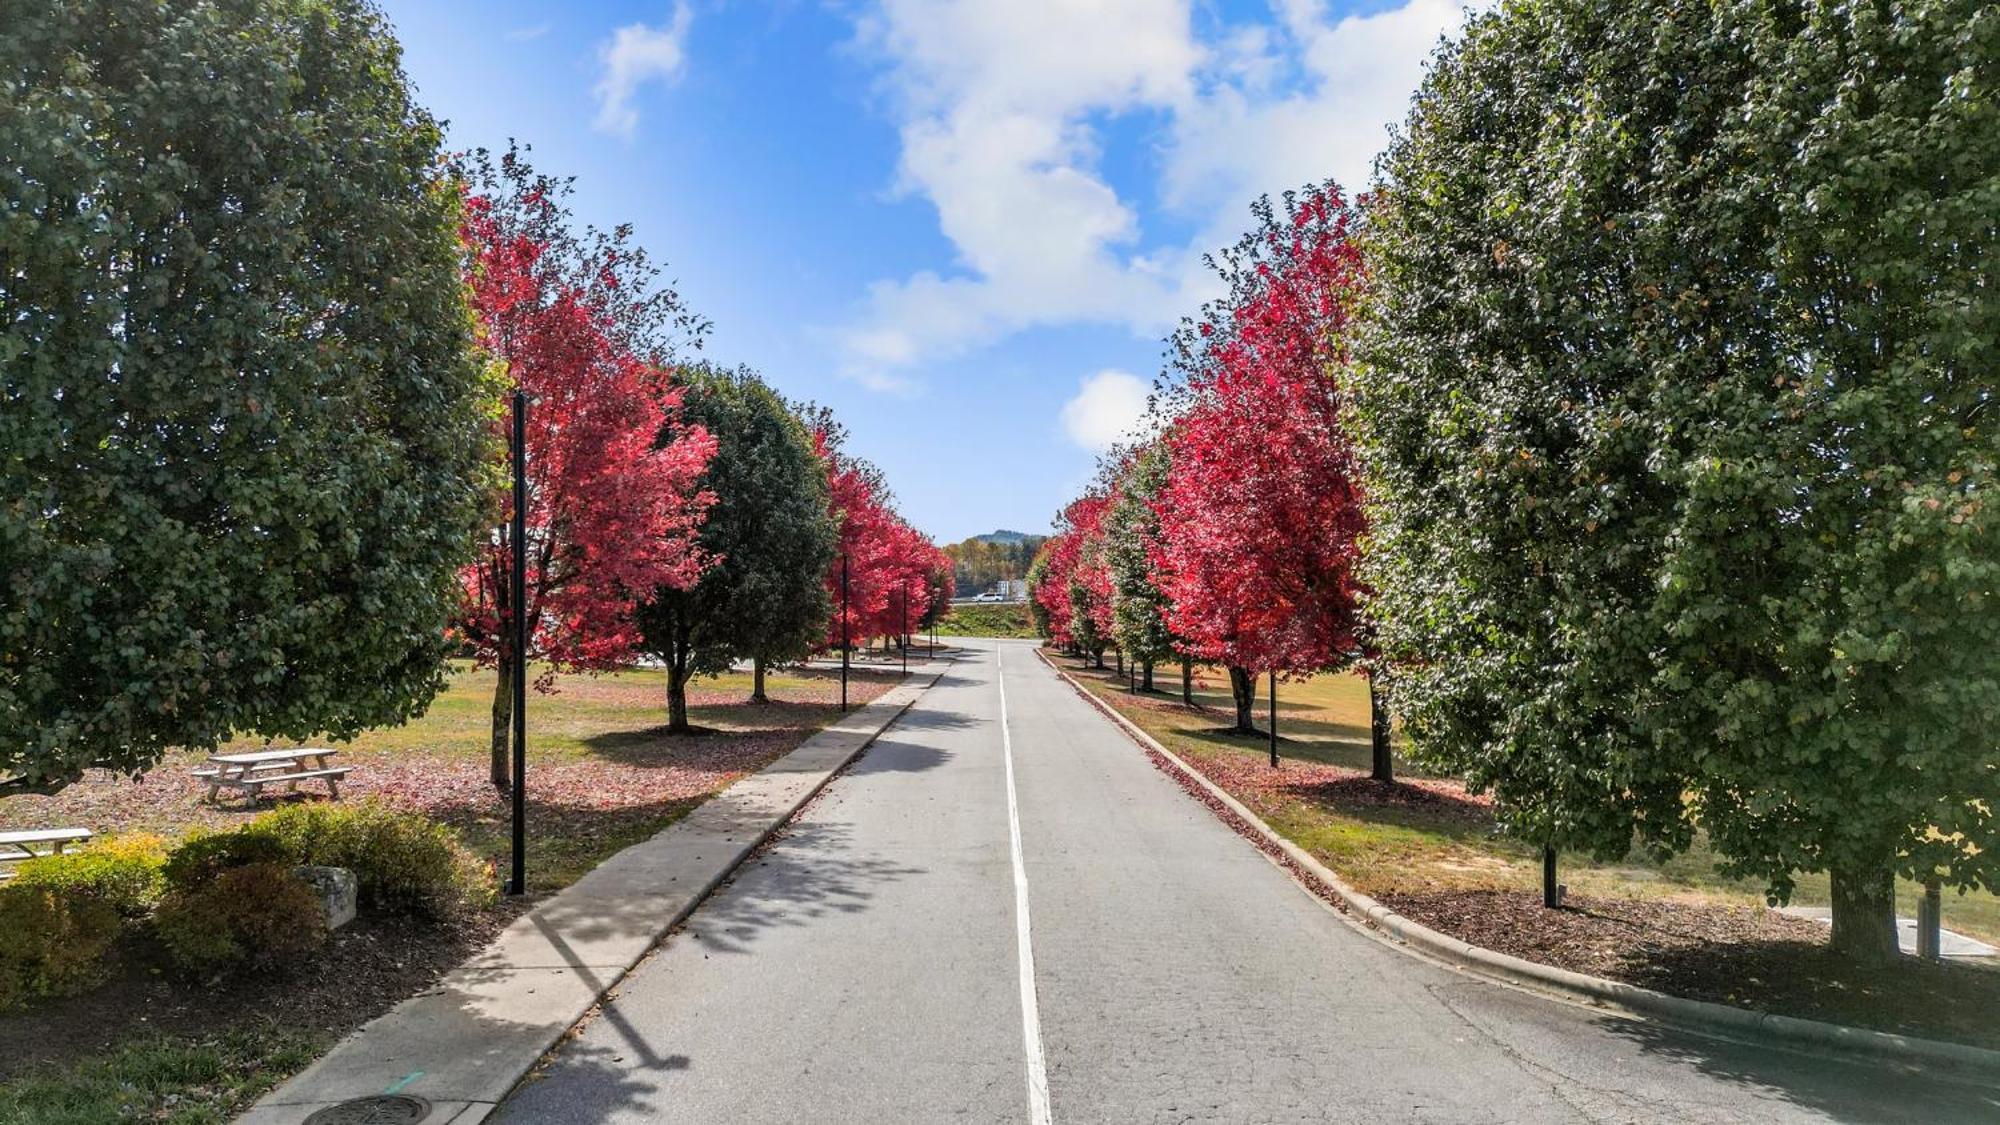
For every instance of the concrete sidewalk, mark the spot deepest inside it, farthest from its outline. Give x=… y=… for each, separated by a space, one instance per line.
x=463 y=1044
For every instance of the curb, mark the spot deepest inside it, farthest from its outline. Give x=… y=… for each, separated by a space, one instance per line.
x=349 y=1069
x=1598 y=991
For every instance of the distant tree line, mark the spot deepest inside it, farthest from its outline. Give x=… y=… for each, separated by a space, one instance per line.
x=980 y=563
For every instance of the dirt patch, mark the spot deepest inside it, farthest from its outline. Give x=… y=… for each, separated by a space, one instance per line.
x=366 y=968
x=1748 y=957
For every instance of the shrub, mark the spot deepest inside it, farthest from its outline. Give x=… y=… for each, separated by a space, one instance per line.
x=403 y=862
x=52 y=943
x=255 y=916
x=201 y=858
x=125 y=873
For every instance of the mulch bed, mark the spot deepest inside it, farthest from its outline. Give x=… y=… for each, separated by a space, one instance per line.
x=366 y=968
x=1744 y=956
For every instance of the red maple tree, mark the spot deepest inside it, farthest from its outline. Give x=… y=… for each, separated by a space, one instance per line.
x=612 y=512
x=886 y=576
x=1261 y=514
x=1075 y=586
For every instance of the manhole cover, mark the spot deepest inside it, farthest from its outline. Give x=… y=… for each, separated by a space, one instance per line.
x=384 y=1109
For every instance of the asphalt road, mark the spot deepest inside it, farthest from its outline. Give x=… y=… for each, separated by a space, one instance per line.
x=870 y=967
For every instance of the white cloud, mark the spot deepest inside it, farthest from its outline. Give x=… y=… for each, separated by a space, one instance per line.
x=1355 y=79
x=999 y=104
x=1108 y=408
x=524 y=34
x=637 y=54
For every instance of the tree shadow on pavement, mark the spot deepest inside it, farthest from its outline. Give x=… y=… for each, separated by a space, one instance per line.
x=807 y=873
x=592 y=1082
x=1843 y=1088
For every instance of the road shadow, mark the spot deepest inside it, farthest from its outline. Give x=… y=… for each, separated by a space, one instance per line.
x=923 y=719
x=586 y=1081
x=1843 y=1088
x=808 y=872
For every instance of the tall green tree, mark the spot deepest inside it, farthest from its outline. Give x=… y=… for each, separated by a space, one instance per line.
x=1131 y=536
x=243 y=428
x=770 y=530
x=1675 y=403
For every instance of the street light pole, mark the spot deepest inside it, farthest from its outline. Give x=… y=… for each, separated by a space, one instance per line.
x=517 y=880
x=1274 y=718
x=844 y=641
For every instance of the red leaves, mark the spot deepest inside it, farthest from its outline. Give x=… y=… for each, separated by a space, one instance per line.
x=610 y=515
x=1075 y=556
x=1261 y=514
x=894 y=575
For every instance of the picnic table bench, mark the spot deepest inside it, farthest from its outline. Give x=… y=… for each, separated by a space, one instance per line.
x=17 y=846
x=250 y=772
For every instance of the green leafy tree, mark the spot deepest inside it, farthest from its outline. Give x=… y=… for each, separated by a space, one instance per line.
x=243 y=429
x=1131 y=535
x=1038 y=613
x=1675 y=401
x=771 y=531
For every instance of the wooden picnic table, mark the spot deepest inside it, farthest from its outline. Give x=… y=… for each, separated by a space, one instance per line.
x=17 y=846
x=251 y=771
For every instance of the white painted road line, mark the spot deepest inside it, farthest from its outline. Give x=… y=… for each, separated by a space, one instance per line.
x=1031 y=1020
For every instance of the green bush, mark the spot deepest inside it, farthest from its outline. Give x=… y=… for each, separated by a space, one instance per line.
x=403 y=862
x=52 y=943
x=256 y=916
x=201 y=858
x=124 y=872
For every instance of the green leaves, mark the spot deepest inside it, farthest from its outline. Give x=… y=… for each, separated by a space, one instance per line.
x=1682 y=335
x=770 y=527
x=240 y=412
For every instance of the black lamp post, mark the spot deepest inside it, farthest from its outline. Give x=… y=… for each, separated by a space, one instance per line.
x=1274 y=718
x=843 y=631
x=517 y=879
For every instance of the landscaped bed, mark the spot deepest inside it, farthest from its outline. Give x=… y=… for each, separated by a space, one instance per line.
x=159 y=1042
x=1429 y=850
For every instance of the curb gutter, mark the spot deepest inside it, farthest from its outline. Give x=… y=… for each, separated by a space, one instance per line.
x=1596 y=990
x=468 y=1040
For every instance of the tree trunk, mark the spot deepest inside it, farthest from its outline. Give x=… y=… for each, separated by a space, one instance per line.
x=1864 y=914
x=1243 y=685
x=677 y=697
x=1120 y=654
x=1378 y=734
x=1097 y=659
x=1187 y=680
x=757 y=681
x=500 y=769
x=1146 y=676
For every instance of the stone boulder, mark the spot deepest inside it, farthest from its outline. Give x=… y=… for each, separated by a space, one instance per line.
x=336 y=889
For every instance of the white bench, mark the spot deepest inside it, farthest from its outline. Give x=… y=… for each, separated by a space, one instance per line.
x=17 y=846
x=249 y=773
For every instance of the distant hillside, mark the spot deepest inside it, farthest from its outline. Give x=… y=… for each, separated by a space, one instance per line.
x=981 y=562
x=1008 y=538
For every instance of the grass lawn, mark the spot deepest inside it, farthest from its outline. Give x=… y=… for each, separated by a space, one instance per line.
x=1432 y=851
x=175 y=1080
x=602 y=775
x=987 y=619
x=602 y=772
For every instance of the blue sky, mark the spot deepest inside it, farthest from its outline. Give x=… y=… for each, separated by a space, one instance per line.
x=964 y=226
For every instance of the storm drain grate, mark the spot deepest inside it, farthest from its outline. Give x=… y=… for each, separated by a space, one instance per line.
x=382 y=1109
